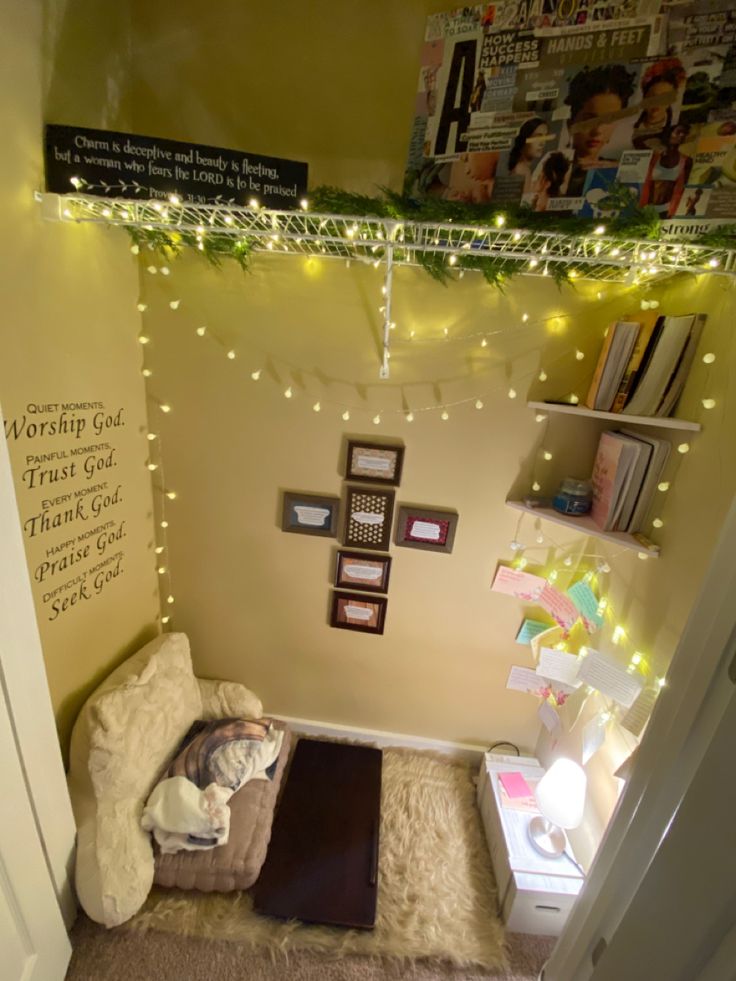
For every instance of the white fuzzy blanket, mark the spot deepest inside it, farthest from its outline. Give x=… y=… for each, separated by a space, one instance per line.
x=436 y=895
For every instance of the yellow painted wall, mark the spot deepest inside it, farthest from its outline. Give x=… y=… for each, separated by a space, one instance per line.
x=336 y=89
x=255 y=599
x=329 y=83
x=69 y=329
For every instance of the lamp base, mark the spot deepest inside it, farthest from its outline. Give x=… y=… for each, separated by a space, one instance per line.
x=547 y=838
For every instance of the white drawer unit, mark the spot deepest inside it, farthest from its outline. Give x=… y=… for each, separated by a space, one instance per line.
x=535 y=893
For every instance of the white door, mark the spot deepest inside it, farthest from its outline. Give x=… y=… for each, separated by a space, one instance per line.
x=660 y=898
x=33 y=942
x=683 y=912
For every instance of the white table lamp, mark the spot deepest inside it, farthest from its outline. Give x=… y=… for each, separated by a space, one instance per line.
x=560 y=797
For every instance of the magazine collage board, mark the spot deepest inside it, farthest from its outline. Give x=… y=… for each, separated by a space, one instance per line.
x=548 y=103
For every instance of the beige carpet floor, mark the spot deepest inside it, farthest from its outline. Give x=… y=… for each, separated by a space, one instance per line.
x=436 y=896
x=436 y=911
x=117 y=955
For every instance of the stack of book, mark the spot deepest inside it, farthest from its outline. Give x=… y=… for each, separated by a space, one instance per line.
x=627 y=469
x=644 y=364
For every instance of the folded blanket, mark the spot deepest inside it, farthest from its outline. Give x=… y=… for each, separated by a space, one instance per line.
x=188 y=808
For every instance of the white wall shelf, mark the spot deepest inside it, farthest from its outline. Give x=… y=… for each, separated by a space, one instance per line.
x=584 y=524
x=384 y=242
x=379 y=240
x=661 y=422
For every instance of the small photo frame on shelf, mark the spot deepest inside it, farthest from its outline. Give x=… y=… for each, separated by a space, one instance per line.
x=355 y=611
x=310 y=514
x=427 y=529
x=356 y=570
x=374 y=463
x=368 y=515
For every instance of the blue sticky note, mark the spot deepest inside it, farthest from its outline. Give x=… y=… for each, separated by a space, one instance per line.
x=530 y=629
x=587 y=603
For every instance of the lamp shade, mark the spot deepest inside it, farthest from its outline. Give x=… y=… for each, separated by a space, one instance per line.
x=560 y=794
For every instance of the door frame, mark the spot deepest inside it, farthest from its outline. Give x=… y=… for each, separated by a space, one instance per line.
x=685 y=717
x=23 y=675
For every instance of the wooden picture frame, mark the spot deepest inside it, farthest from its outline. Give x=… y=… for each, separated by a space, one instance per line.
x=369 y=513
x=356 y=611
x=363 y=571
x=374 y=463
x=300 y=514
x=426 y=529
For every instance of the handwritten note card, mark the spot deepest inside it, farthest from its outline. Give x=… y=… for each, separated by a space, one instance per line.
x=358 y=612
x=594 y=735
x=559 y=666
x=306 y=515
x=547 y=639
x=529 y=630
x=525 y=679
x=603 y=672
x=522 y=585
x=549 y=718
x=378 y=464
x=587 y=604
x=560 y=607
x=638 y=715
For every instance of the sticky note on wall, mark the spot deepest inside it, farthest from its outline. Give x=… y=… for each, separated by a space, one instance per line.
x=587 y=603
x=529 y=630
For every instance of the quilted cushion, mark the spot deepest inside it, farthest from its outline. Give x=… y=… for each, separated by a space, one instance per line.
x=237 y=864
x=127 y=730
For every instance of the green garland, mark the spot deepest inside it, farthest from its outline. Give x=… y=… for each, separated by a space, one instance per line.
x=633 y=222
x=627 y=220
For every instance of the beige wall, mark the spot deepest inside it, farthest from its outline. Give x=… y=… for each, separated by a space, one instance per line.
x=333 y=90
x=69 y=335
x=329 y=83
x=254 y=599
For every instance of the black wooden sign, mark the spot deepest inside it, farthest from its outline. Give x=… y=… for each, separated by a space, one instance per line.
x=123 y=165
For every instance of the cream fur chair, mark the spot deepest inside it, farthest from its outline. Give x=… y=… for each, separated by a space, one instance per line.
x=127 y=730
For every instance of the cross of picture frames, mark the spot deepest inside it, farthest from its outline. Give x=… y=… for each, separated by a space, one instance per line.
x=363 y=565
x=368 y=521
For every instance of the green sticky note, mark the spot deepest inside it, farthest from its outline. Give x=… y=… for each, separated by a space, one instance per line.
x=587 y=603
x=530 y=629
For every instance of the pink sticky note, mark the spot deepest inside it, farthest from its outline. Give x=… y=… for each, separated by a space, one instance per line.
x=516 y=583
x=515 y=785
x=560 y=607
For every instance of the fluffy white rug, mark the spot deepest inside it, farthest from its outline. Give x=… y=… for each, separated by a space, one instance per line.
x=436 y=894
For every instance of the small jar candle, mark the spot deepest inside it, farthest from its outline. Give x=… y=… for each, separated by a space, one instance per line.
x=573 y=497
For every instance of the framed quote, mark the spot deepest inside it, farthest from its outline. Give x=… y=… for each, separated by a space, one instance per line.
x=356 y=570
x=423 y=528
x=368 y=515
x=310 y=514
x=374 y=463
x=355 y=611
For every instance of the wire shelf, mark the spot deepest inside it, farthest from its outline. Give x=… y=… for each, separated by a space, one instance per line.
x=384 y=241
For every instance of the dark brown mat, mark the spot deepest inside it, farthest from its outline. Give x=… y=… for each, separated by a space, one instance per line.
x=322 y=862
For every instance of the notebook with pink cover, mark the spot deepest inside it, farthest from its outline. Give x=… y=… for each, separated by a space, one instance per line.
x=515 y=785
x=604 y=478
x=613 y=470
